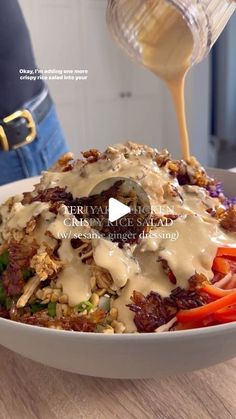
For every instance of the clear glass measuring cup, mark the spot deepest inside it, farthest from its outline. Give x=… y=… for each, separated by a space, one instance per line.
x=205 y=18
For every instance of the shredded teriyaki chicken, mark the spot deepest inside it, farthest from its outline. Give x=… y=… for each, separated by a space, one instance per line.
x=63 y=265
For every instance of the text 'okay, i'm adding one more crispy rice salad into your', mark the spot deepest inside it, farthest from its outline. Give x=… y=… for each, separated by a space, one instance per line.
x=65 y=265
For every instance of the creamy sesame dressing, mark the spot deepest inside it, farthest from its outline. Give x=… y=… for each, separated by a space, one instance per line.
x=197 y=235
x=22 y=214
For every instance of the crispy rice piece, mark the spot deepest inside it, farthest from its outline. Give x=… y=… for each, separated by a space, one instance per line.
x=178 y=169
x=102 y=277
x=31 y=225
x=150 y=311
x=197 y=281
x=84 y=323
x=64 y=163
x=163 y=158
x=197 y=173
x=27 y=198
x=189 y=172
x=228 y=220
x=20 y=254
x=55 y=195
x=91 y=155
x=44 y=264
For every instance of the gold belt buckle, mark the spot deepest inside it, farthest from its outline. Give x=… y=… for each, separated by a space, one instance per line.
x=30 y=124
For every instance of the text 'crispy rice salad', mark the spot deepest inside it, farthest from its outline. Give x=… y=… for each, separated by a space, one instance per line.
x=172 y=268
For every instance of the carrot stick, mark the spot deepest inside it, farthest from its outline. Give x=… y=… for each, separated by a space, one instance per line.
x=226 y=251
x=214 y=291
x=199 y=313
x=221 y=265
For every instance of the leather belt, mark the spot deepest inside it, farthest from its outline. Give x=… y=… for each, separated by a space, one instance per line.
x=20 y=128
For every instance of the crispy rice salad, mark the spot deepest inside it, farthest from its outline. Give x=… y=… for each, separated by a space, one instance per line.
x=174 y=270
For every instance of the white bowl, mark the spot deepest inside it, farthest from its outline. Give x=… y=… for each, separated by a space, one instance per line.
x=121 y=356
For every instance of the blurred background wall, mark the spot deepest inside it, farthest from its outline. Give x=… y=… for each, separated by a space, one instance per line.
x=120 y=100
x=223 y=127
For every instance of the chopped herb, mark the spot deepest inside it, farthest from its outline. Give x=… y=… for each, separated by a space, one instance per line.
x=85 y=305
x=52 y=309
x=4 y=260
x=37 y=306
x=27 y=273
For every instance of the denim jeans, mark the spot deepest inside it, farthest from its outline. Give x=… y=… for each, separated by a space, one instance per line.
x=42 y=153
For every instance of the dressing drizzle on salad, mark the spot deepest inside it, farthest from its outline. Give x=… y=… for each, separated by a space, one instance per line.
x=188 y=246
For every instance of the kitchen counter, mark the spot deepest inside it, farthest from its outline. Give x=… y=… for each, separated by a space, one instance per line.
x=29 y=390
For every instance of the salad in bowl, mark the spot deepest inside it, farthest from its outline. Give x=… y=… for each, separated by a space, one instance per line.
x=171 y=266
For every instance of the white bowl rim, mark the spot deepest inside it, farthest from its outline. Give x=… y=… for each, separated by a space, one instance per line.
x=209 y=330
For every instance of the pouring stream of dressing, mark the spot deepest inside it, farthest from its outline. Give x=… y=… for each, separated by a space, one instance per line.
x=166 y=47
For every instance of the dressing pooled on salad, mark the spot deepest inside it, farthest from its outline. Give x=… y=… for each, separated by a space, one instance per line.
x=95 y=283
